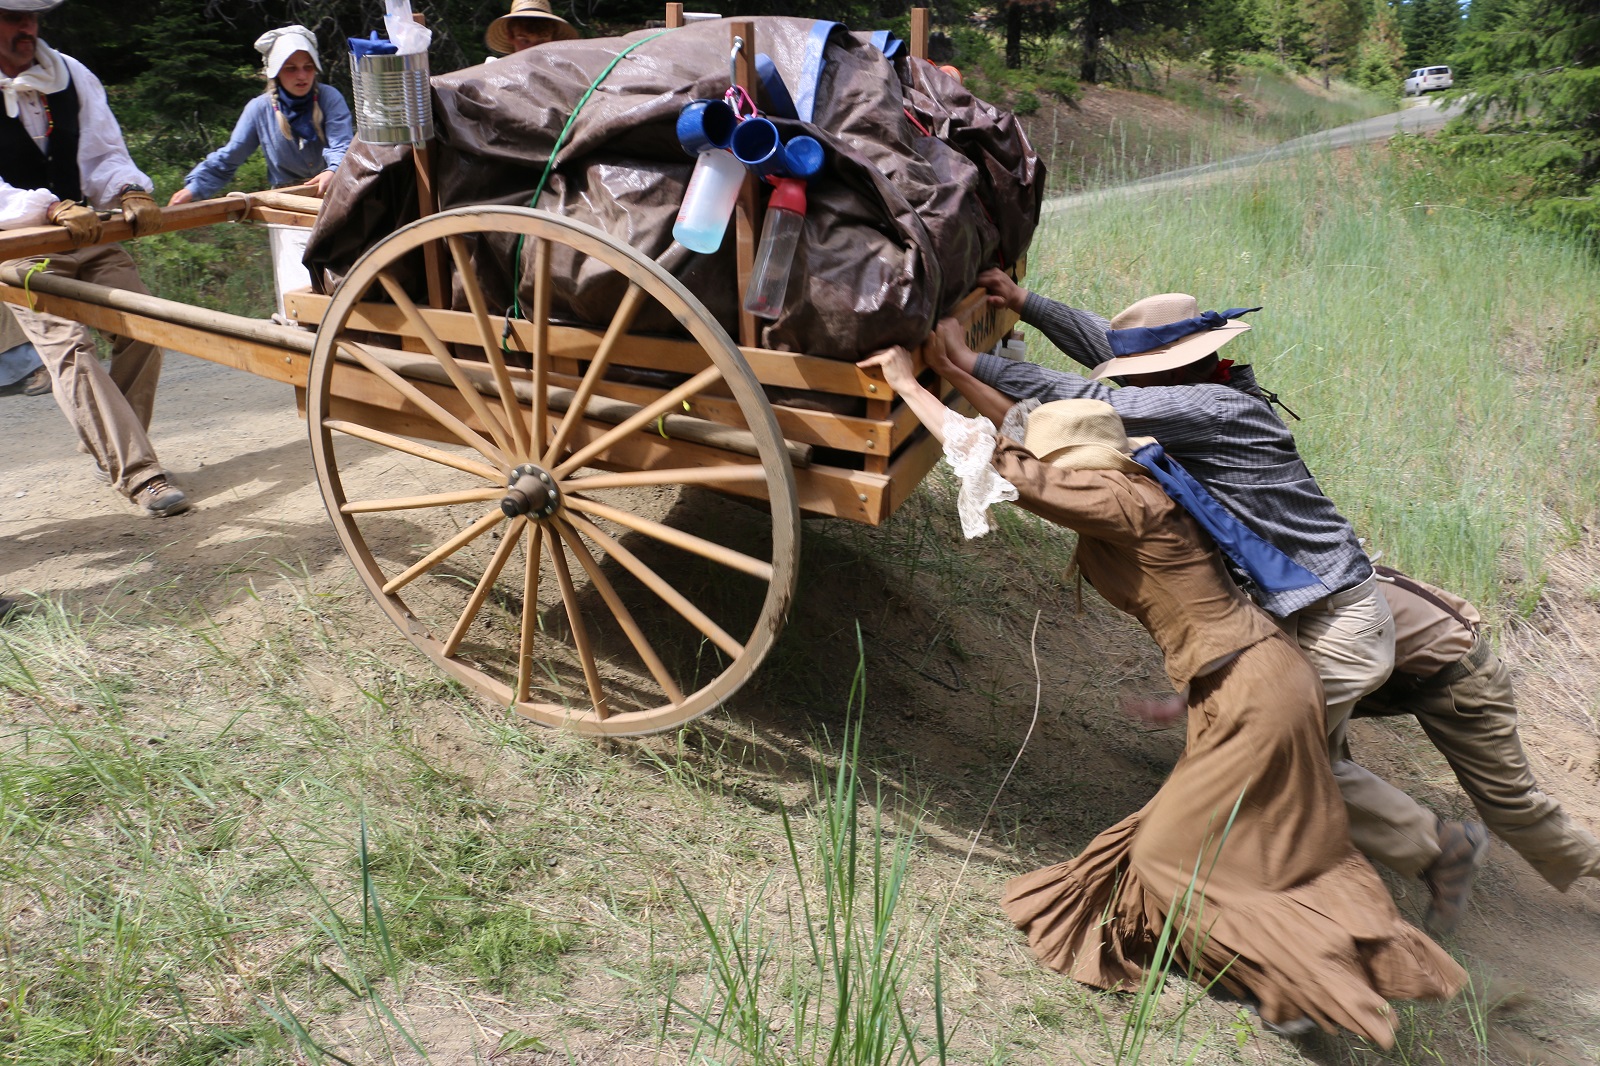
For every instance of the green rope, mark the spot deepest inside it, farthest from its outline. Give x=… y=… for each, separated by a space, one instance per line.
x=515 y=310
x=27 y=280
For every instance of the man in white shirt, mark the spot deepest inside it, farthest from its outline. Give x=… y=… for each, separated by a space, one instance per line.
x=61 y=157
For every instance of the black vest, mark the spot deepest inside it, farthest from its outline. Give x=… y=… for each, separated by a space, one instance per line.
x=23 y=166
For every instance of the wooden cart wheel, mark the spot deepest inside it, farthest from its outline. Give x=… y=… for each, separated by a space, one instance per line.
x=513 y=523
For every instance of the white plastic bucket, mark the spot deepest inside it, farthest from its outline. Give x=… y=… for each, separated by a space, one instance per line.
x=288 y=244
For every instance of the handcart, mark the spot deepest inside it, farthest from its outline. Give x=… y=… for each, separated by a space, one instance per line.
x=517 y=522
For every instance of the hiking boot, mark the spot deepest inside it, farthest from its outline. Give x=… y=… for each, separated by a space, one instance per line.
x=9 y=607
x=36 y=383
x=160 y=497
x=1462 y=846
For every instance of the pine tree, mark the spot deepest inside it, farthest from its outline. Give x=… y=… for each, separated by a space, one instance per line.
x=1223 y=29
x=1537 y=74
x=1430 y=29
x=1335 y=33
x=1381 y=50
x=197 y=75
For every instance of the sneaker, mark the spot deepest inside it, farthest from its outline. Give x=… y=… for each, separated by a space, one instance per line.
x=1462 y=847
x=36 y=383
x=160 y=497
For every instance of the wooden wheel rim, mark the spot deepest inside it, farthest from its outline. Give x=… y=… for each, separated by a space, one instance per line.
x=656 y=283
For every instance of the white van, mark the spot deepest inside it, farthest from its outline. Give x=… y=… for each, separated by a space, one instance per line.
x=1426 y=79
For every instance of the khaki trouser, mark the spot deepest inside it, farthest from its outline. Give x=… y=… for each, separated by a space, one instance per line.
x=1469 y=712
x=110 y=410
x=1349 y=638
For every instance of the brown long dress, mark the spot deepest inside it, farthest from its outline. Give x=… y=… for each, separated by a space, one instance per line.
x=1278 y=900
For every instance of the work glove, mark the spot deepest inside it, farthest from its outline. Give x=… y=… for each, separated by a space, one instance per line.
x=140 y=211
x=79 y=220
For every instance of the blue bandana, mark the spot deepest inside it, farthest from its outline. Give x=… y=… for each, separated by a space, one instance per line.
x=1267 y=566
x=300 y=111
x=1142 y=339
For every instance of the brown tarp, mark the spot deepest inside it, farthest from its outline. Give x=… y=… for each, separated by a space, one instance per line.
x=898 y=224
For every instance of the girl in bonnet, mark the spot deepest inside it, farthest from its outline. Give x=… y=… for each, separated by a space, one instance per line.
x=1245 y=845
x=302 y=126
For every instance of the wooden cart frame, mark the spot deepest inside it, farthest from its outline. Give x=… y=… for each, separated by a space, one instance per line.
x=506 y=519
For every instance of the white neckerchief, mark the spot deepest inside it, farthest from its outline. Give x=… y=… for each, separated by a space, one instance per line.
x=47 y=75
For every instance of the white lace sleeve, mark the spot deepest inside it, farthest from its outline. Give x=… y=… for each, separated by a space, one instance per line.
x=1016 y=424
x=969 y=449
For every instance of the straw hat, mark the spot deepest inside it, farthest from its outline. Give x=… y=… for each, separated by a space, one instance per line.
x=276 y=46
x=499 y=36
x=38 y=7
x=1161 y=311
x=1082 y=435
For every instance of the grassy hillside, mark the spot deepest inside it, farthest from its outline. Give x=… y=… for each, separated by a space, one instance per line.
x=241 y=821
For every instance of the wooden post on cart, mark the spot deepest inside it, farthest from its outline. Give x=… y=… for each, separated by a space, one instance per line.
x=674 y=16
x=919 y=33
x=427 y=204
x=742 y=35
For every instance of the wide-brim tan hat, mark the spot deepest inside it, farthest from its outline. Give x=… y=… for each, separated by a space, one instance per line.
x=36 y=7
x=1082 y=434
x=498 y=37
x=1163 y=310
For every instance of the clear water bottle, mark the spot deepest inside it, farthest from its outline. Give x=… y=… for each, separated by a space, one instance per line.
x=708 y=201
x=780 y=232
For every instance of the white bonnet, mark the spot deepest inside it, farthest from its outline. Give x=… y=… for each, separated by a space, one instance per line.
x=278 y=45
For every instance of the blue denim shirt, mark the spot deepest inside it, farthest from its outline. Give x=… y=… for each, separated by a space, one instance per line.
x=287 y=163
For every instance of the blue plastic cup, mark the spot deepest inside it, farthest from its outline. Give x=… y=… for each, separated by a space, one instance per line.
x=755 y=144
x=706 y=124
x=802 y=156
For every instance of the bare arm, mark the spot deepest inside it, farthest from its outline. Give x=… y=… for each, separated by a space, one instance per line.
x=950 y=357
x=896 y=366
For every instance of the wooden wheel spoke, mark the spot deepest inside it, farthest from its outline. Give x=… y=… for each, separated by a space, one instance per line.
x=690 y=475
x=411 y=447
x=445 y=550
x=491 y=574
x=621 y=322
x=580 y=630
x=491 y=347
x=541 y=344
x=464 y=432
x=447 y=362
x=706 y=549
x=530 y=613
x=644 y=416
x=655 y=583
x=407 y=503
x=620 y=611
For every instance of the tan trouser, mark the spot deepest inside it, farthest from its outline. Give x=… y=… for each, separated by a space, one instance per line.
x=1349 y=638
x=110 y=410
x=1469 y=713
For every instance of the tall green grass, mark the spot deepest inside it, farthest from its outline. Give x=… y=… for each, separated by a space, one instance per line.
x=1442 y=362
x=831 y=977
